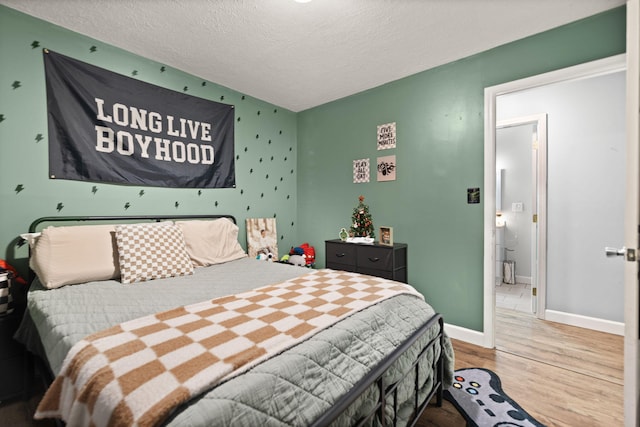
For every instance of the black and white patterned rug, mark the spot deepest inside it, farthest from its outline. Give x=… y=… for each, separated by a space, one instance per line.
x=477 y=394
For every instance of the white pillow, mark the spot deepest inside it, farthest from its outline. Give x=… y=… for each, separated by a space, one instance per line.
x=211 y=241
x=151 y=251
x=30 y=238
x=75 y=254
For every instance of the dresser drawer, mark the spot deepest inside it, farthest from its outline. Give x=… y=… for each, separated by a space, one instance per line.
x=375 y=258
x=385 y=274
x=389 y=262
x=341 y=253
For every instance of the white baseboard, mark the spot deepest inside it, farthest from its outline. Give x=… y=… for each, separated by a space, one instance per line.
x=519 y=279
x=464 y=334
x=478 y=338
x=596 y=324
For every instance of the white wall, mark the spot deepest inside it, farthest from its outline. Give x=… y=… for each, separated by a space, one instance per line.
x=513 y=154
x=586 y=175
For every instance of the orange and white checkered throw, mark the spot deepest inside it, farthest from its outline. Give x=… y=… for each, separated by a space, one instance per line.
x=138 y=372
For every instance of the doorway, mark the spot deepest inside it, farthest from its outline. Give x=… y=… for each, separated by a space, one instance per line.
x=506 y=92
x=521 y=146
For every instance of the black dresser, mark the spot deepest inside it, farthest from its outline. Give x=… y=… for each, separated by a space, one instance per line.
x=389 y=262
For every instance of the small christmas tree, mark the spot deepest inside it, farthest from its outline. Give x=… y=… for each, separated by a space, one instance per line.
x=361 y=222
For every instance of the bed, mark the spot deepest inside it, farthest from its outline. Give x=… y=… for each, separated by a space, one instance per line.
x=380 y=364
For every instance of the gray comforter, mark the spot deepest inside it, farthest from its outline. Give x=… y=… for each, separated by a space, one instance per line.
x=293 y=388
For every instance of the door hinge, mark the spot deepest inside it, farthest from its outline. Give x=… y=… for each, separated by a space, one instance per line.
x=535 y=218
x=534 y=291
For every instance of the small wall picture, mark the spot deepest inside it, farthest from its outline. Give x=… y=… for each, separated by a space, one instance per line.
x=473 y=196
x=387 y=168
x=387 y=136
x=386 y=236
x=360 y=171
x=262 y=238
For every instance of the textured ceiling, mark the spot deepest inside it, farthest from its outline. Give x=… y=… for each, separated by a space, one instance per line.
x=299 y=56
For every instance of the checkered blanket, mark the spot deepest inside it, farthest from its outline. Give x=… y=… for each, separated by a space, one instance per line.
x=138 y=372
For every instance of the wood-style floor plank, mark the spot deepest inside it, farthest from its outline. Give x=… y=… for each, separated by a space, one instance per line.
x=589 y=352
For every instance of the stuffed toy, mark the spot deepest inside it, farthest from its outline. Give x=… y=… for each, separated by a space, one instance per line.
x=4 y=266
x=304 y=250
x=309 y=253
x=265 y=257
x=297 y=260
x=296 y=251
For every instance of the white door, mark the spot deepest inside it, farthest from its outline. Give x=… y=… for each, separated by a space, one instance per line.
x=632 y=218
x=521 y=145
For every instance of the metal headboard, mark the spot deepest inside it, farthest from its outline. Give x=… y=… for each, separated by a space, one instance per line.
x=67 y=219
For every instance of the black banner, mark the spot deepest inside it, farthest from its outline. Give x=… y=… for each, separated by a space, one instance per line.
x=107 y=127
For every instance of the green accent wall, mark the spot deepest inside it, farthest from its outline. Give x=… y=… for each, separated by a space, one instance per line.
x=440 y=154
x=299 y=167
x=265 y=144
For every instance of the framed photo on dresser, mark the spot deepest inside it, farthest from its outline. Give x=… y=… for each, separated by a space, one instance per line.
x=386 y=236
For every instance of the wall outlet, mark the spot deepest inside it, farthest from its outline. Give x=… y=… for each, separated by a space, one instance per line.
x=517 y=207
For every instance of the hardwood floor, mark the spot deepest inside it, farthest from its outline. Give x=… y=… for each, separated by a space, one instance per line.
x=562 y=375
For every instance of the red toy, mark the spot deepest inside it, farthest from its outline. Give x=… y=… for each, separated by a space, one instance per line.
x=4 y=265
x=307 y=250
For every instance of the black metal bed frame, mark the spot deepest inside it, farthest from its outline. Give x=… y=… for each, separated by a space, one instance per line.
x=374 y=378
x=34 y=225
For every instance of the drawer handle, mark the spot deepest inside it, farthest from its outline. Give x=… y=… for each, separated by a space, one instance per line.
x=376 y=259
x=340 y=255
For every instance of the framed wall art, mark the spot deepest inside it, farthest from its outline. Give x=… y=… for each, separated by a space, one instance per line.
x=262 y=239
x=386 y=235
x=387 y=136
x=360 y=171
x=386 y=169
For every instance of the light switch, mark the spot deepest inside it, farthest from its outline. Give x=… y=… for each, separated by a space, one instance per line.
x=517 y=207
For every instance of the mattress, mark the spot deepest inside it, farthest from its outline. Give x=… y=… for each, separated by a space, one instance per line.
x=292 y=388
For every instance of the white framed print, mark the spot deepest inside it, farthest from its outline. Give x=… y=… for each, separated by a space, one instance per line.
x=361 y=171
x=387 y=136
x=387 y=168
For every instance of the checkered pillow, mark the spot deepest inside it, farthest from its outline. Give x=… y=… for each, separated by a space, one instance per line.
x=151 y=251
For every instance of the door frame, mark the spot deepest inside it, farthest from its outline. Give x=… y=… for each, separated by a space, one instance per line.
x=577 y=72
x=632 y=220
x=538 y=207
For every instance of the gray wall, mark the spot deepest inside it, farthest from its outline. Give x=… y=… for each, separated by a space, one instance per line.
x=586 y=175
x=513 y=154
